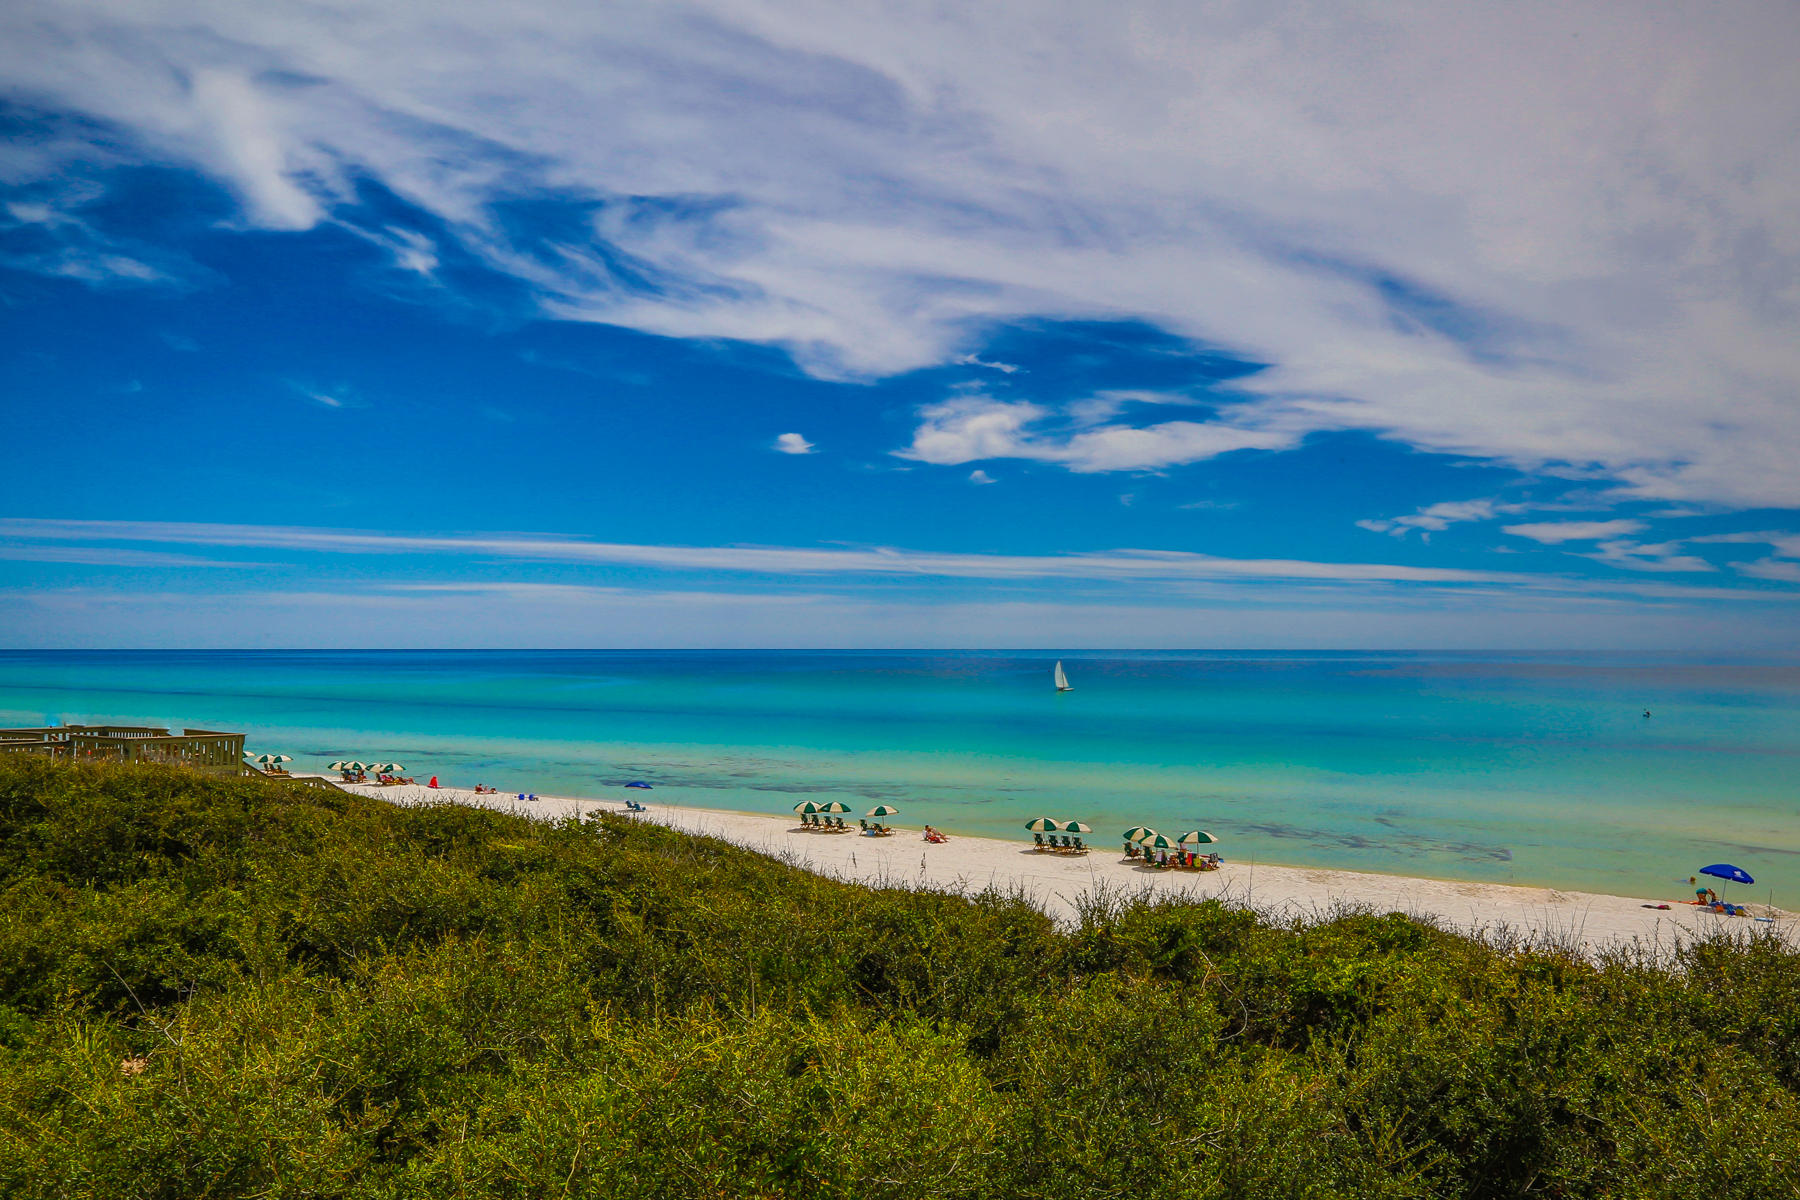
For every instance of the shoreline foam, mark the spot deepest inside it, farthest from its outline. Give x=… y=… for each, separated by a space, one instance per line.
x=1589 y=922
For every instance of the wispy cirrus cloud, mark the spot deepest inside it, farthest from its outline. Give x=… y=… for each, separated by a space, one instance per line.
x=1614 y=545
x=119 y=542
x=974 y=428
x=1555 y=533
x=1435 y=518
x=1456 y=227
x=1637 y=556
x=770 y=560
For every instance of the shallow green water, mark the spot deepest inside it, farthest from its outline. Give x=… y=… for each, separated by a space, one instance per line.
x=1511 y=768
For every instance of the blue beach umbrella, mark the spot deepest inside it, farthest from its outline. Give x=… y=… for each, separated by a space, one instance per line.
x=1728 y=873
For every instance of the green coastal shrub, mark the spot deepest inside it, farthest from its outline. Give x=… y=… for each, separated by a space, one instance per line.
x=217 y=988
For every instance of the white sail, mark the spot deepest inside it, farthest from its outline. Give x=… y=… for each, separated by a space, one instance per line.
x=1062 y=681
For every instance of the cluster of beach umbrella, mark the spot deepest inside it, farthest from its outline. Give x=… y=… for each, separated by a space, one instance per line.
x=353 y=765
x=1046 y=825
x=1145 y=836
x=809 y=807
x=271 y=760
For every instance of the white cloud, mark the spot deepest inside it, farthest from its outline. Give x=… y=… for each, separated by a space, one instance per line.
x=978 y=476
x=1555 y=533
x=793 y=443
x=1782 y=570
x=47 y=234
x=238 y=123
x=20 y=537
x=1560 y=237
x=1635 y=556
x=971 y=360
x=972 y=428
x=1125 y=564
x=1435 y=518
x=504 y=614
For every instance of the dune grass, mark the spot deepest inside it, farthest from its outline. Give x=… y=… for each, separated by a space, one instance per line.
x=223 y=988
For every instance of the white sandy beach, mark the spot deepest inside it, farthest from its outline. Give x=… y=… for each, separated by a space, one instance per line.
x=1589 y=921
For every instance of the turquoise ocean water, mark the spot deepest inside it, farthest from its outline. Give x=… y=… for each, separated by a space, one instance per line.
x=1508 y=768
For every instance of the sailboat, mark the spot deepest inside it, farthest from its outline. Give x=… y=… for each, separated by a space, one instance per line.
x=1062 y=681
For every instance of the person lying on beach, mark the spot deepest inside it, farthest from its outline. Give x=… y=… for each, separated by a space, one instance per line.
x=933 y=836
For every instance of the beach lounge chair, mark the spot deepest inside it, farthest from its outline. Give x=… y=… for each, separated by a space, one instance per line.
x=838 y=823
x=1039 y=839
x=1080 y=847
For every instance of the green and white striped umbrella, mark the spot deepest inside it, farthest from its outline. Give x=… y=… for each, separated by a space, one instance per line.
x=1042 y=825
x=353 y=765
x=341 y=766
x=394 y=767
x=807 y=806
x=1156 y=841
x=269 y=760
x=1197 y=836
x=883 y=810
x=836 y=806
x=1138 y=833
x=1076 y=827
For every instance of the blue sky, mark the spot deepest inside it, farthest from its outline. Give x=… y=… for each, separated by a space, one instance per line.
x=826 y=325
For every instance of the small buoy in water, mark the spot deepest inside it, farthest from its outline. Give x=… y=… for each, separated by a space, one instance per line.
x=1646 y=714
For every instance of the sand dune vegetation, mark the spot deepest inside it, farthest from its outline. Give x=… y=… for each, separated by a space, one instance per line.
x=238 y=987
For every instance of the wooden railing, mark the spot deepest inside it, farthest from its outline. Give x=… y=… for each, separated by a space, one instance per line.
x=206 y=749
